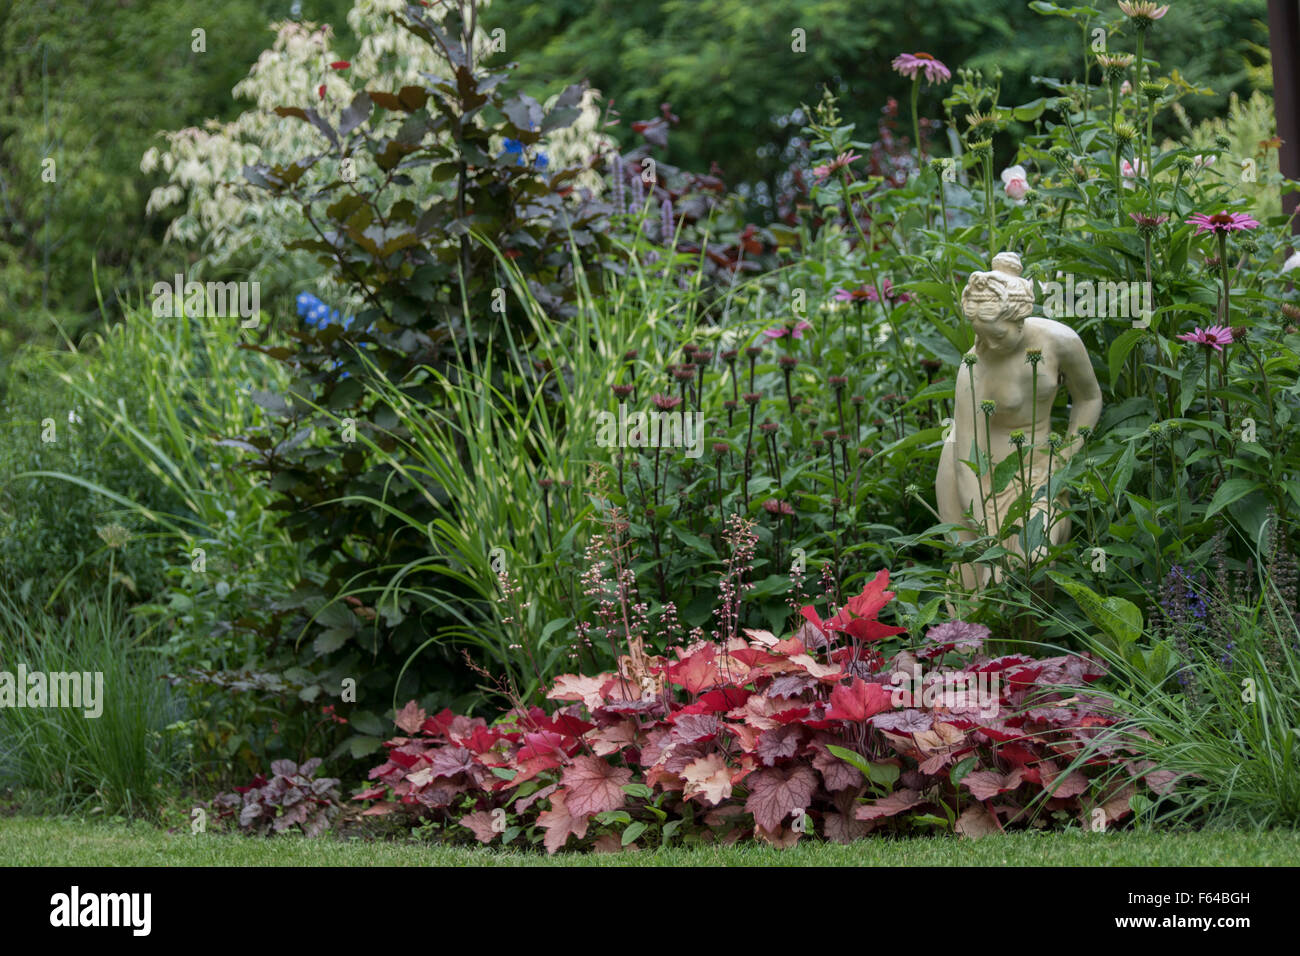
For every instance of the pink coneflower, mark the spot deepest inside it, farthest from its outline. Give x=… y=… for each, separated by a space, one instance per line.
x=910 y=64
x=1142 y=12
x=665 y=403
x=1222 y=223
x=794 y=331
x=825 y=170
x=1131 y=171
x=774 y=506
x=1215 y=337
x=866 y=293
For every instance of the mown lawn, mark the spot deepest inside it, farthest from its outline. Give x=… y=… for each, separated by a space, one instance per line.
x=29 y=841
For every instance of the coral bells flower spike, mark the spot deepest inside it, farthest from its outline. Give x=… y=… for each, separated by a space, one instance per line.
x=910 y=64
x=1215 y=337
x=1222 y=222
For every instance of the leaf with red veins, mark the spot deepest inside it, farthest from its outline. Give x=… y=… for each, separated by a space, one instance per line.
x=612 y=739
x=530 y=768
x=523 y=803
x=746 y=736
x=793 y=715
x=697 y=671
x=779 y=743
x=987 y=784
x=544 y=743
x=1162 y=781
x=481 y=822
x=790 y=647
x=410 y=718
x=482 y=740
x=759 y=711
x=380 y=809
x=760 y=661
x=374 y=793
x=559 y=822
x=1068 y=785
x=762 y=638
x=663 y=779
x=1115 y=806
x=790 y=685
x=594 y=786
x=716 y=701
x=823 y=672
x=873 y=598
x=858 y=701
x=439 y=724
x=776 y=792
x=865 y=630
x=451 y=760
x=889 y=806
x=903 y=721
x=837 y=774
x=620 y=689
x=708 y=777
x=578 y=687
x=976 y=822
x=841 y=828
x=568 y=725
x=693 y=728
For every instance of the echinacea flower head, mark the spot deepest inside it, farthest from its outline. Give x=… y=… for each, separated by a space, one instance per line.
x=795 y=331
x=1147 y=225
x=1143 y=13
x=775 y=506
x=1114 y=64
x=1215 y=337
x=912 y=64
x=665 y=403
x=826 y=170
x=1222 y=223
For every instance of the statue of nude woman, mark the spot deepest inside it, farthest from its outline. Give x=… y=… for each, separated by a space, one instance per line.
x=998 y=304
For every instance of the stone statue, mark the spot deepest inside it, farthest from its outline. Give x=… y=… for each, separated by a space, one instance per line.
x=1018 y=363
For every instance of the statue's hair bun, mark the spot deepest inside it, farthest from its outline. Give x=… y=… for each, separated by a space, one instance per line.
x=1008 y=262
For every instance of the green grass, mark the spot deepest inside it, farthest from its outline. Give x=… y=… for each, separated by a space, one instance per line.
x=28 y=841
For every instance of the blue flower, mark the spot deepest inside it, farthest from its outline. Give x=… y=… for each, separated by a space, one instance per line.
x=317 y=314
x=542 y=161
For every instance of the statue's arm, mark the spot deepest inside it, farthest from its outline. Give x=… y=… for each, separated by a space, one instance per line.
x=1081 y=381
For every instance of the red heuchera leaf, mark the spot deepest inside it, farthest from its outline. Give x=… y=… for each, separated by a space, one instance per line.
x=773 y=745
x=558 y=823
x=776 y=792
x=451 y=760
x=374 y=793
x=715 y=701
x=889 y=806
x=708 y=777
x=696 y=671
x=593 y=786
x=904 y=721
x=410 y=718
x=578 y=687
x=859 y=701
x=987 y=784
x=695 y=727
x=481 y=823
x=976 y=822
x=836 y=773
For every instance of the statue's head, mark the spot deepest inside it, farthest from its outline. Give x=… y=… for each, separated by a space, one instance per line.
x=997 y=302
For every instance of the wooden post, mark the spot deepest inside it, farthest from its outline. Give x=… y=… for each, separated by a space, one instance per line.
x=1284 y=42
